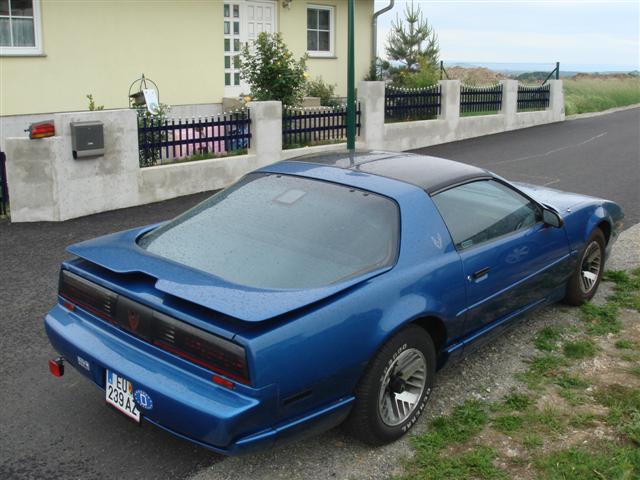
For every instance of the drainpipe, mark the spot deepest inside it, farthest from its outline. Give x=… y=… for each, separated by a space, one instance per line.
x=374 y=29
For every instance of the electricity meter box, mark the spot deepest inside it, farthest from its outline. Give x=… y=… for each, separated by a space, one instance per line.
x=87 y=139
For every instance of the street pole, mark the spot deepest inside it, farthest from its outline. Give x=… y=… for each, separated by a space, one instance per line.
x=351 y=89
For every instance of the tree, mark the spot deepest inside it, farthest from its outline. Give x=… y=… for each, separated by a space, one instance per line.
x=412 y=39
x=271 y=71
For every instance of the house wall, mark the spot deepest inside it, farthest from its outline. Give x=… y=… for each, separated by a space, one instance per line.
x=292 y=24
x=101 y=47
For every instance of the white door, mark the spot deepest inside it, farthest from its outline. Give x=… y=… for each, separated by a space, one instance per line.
x=243 y=21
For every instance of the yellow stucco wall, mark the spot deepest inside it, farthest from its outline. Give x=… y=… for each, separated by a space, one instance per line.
x=101 y=46
x=293 y=23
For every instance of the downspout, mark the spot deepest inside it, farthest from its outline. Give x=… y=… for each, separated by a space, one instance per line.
x=374 y=29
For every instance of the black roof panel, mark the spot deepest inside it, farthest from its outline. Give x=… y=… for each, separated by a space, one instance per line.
x=429 y=173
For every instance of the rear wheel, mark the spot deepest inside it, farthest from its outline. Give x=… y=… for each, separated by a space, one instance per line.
x=585 y=280
x=395 y=388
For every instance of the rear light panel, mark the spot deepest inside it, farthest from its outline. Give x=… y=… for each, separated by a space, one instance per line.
x=190 y=343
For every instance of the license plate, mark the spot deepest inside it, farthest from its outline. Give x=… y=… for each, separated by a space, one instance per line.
x=119 y=394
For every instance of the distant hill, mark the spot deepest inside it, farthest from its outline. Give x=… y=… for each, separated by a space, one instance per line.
x=532 y=77
x=475 y=75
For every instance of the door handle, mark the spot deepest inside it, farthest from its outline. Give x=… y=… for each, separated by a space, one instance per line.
x=479 y=274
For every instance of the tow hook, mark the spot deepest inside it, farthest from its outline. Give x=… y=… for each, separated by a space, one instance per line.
x=56 y=366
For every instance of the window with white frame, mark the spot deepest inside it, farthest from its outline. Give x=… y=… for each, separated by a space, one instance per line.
x=320 y=30
x=20 y=27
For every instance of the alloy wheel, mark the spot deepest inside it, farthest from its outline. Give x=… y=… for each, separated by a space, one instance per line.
x=402 y=387
x=590 y=267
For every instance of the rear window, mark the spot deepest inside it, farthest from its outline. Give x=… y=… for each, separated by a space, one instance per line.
x=283 y=232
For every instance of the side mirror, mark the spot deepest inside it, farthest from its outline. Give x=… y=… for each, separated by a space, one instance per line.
x=551 y=218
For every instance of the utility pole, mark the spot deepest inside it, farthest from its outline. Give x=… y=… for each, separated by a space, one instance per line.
x=351 y=89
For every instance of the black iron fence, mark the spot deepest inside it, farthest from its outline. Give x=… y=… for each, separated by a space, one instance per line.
x=408 y=104
x=309 y=126
x=480 y=100
x=4 y=188
x=171 y=140
x=533 y=97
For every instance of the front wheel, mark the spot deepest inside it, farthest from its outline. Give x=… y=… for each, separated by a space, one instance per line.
x=585 y=280
x=395 y=388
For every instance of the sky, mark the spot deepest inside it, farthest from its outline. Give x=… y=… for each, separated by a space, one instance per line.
x=582 y=35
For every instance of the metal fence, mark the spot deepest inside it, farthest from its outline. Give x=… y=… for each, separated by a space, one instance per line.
x=408 y=104
x=315 y=125
x=170 y=140
x=480 y=100
x=533 y=97
x=4 y=188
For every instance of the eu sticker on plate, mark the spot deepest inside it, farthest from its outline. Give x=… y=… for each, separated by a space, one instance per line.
x=119 y=394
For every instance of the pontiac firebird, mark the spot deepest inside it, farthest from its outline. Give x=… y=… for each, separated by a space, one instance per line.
x=318 y=290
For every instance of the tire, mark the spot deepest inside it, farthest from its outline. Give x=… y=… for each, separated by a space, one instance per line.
x=375 y=419
x=581 y=289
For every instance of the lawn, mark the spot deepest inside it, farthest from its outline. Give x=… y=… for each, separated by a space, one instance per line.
x=575 y=416
x=592 y=94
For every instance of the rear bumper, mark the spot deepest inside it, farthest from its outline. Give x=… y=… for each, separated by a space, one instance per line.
x=185 y=400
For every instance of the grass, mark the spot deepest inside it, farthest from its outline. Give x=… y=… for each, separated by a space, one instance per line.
x=596 y=94
x=541 y=369
x=599 y=462
x=209 y=155
x=601 y=319
x=311 y=143
x=508 y=423
x=547 y=338
x=478 y=438
x=627 y=289
x=580 y=349
x=517 y=401
x=624 y=344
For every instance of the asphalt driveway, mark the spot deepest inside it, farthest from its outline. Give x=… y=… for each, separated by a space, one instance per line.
x=597 y=156
x=60 y=428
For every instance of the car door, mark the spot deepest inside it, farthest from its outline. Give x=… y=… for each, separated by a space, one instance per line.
x=511 y=259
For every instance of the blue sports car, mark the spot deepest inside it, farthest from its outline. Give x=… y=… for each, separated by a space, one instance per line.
x=317 y=290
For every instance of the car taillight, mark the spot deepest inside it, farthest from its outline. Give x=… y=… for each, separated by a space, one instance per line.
x=208 y=351
x=88 y=295
x=190 y=343
x=42 y=129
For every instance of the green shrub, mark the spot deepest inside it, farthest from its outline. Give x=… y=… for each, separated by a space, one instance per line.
x=324 y=91
x=271 y=71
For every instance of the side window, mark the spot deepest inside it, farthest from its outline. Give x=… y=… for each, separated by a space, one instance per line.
x=480 y=211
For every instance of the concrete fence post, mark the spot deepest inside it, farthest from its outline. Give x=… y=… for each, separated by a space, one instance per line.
x=47 y=184
x=450 y=100
x=371 y=96
x=556 y=100
x=266 y=132
x=509 y=102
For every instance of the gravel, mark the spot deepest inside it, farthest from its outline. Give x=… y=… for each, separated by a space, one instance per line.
x=485 y=374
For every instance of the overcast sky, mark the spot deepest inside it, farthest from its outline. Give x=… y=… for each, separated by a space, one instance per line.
x=580 y=32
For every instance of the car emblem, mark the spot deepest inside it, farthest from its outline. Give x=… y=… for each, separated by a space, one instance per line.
x=143 y=399
x=134 y=320
x=437 y=241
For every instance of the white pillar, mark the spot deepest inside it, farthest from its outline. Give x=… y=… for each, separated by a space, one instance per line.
x=266 y=131
x=556 y=100
x=509 y=102
x=371 y=96
x=450 y=100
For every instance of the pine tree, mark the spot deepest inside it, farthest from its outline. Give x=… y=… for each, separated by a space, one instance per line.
x=409 y=43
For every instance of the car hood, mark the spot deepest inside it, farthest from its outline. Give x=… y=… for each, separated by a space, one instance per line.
x=120 y=253
x=557 y=199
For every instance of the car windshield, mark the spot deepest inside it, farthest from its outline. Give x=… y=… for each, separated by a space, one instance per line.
x=283 y=232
